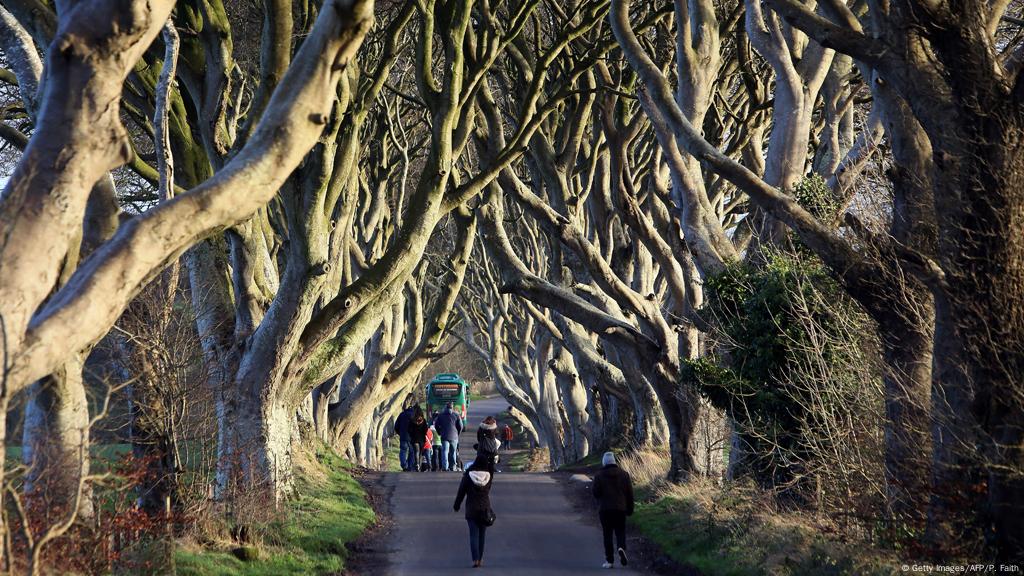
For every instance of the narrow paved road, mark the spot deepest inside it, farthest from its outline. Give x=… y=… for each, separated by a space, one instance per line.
x=537 y=532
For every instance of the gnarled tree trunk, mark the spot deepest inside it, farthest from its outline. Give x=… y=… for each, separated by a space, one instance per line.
x=55 y=444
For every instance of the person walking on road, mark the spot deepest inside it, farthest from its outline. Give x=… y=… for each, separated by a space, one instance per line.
x=449 y=425
x=475 y=488
x=614 y=490
x=506 y=436
x=487 y=443
x=402 y=430
x=418 y=436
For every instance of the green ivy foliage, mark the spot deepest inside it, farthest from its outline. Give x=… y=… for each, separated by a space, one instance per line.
x=773 y=321
x=815 y=196
x=755 y=308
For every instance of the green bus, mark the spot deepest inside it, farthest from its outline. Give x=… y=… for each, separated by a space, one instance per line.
x=445 y=388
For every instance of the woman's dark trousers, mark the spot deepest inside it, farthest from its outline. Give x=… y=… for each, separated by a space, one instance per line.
x=477 y=536
x=418 y=451
x=613 y=521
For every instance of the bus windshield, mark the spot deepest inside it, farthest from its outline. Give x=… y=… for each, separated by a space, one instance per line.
x=445 y=388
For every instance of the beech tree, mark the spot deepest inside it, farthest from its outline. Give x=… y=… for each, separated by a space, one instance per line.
x=800 y=70
x=559 y=186
x=930 y=114
x=332 y=336
x=966 y=126
x=79 y=137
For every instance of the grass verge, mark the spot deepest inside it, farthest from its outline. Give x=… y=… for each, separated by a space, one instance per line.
x=518 y=461
x=736 y=530
x=391 y=462
x=588 y=463
x=526 y=460
x=308 y=537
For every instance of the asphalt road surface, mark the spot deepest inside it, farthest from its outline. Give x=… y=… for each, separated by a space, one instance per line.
x=537 y=532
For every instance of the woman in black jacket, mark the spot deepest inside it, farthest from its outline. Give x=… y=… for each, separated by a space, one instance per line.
x=475 y=488
x=487 y=443
x=418 y=435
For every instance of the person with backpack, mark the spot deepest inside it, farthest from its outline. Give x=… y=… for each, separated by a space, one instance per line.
x=449 y=425
x=614 y=490
x=418 y=437
x=405 y=458
x=475 y=488
x=506 y=434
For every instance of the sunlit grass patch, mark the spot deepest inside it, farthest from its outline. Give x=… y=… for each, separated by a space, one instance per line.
x=736 y=530
x=328 y=511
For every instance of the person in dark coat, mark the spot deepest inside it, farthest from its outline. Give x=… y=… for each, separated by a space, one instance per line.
x=402 y=430
x=449 y=425
x=614 y=490
x=487 y=443
x=418 y=436
x=475 y=488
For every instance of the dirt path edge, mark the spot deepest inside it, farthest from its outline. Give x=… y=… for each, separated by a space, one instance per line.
x=369 y=554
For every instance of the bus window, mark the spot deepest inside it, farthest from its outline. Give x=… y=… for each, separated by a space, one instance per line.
x=445 y=388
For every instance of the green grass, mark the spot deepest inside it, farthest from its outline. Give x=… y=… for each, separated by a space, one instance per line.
x=588 y=462
x=518 y=462
x=728 y=534
x=669 y=523
x=310 y=538
x=101 y=453
x=391 y=462
x=103 y=456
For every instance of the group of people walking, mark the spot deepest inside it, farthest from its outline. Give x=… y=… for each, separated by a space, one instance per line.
x=612 y=486
x=428 y=446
